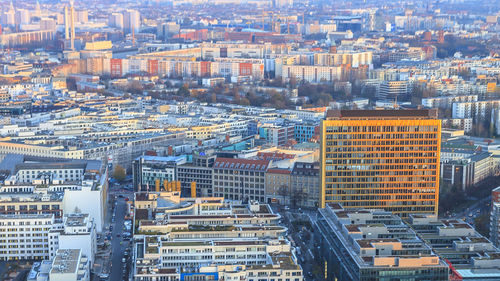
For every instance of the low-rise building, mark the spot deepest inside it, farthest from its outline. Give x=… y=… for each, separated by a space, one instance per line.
x=278 y=186
x=70 y=265
x=209 y=239
x=458 y=123
x=469 y=170
x=304 y=180
x=469 y=255
x=372 y=245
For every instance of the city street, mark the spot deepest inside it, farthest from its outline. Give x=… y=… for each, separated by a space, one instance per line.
x=302 y=239
x=469 y=214
x=118 y=246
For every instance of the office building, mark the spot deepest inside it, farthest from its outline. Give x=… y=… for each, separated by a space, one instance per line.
x=39 y=185
x=26 y=38
x=22 y=16
x=469 y=170
x=277 y=135
x=82 y=16
x=124 y=147
x=167 y=29
x=23 y=204
x=150 y=172
x=393 y=89
x=25 y=237
x=306 y=132
x=116 y=20
x=8 y=18
x=131 y=21
x=214 y=239
x=240 y=179
x=361 y=244
x=199 y=171
x=47 y=24
x=385 y=159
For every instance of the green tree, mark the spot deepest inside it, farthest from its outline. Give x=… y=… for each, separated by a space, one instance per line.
x=119 y=173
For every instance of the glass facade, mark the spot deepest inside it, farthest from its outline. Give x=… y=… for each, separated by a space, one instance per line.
x=376 y=162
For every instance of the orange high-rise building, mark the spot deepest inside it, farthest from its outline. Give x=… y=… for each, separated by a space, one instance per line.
x=387 y=159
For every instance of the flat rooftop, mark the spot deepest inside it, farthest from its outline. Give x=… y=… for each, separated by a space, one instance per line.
x=65 y=261
x=380 y=114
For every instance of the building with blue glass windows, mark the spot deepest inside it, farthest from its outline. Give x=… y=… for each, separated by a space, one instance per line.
x=305 y=132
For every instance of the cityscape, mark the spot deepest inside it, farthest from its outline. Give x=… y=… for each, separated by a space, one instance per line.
x=249 y=140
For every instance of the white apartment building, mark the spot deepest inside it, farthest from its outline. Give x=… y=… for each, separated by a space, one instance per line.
x=352 y=58
x=77 y=231
x=310 y=73
x=25 y=237
x=447 y=102
x=477 y=110
x=458 y=123
x=40 y=236
x=79 y=184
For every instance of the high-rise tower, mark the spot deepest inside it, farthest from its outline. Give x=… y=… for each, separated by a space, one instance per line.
x=386 y=159
x=66 y=23
x=72 y=11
